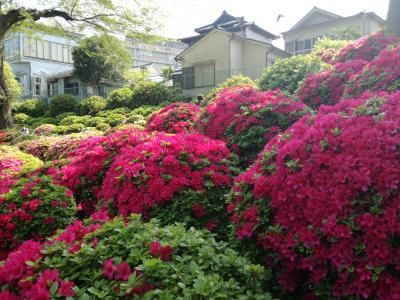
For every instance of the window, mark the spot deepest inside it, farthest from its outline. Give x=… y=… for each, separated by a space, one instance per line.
x=289 y=46
x=53 y=48
x=65 y=53
x=27 y=46
x=59 y=52
x=38 y=86
x=204 y=75
x=40 y=46
x=188 y=78
x=52 y=88
x=46 y=50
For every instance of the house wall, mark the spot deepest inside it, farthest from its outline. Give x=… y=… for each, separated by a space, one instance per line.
x=212 y=48
x=318 y=18
x=251 y=34
x=254 y=59
x=362 y=24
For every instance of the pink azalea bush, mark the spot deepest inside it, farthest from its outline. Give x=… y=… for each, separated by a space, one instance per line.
x=129 y=260
x=321 y=204
x=246 y=119
x=88 y=164
x=45 y=129
x=381 y=74
x=367 y=47
x=33 y=208
x=327 y=87
x=174 y=178
x=175 y=118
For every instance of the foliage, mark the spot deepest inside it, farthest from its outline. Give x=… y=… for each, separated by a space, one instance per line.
x=21 y=118
x=13 y=86
x=238 y=80
x=175 y=118
x=246 y=119
x=321 y=204
x=73 y=128
x=36 y=122
x=121 y=260
x=119 y=98
x=367 y=48
x=33 y=209
x=166 y=73
x=38 y=147
x=287 y=74
x=327 y=87
x=63 y=103
x=381 y=74
x=31 y=107
x=328 y=49
x=149 y=93
x=174 y=178
x=99 y=59
x=92 y=105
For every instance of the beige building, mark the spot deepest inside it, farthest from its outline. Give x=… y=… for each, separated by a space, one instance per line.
x=317 y=23
x=228 y=46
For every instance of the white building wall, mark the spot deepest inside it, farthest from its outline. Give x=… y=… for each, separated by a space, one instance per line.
x=251 y=34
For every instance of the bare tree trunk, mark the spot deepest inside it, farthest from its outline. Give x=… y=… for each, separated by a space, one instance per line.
x=5 y=105
x=393 y=17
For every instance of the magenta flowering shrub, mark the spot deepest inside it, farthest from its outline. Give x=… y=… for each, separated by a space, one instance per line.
x=88 y=164
x=181 y=177
x=321 y=204
x=129 y=260
x=381 y=74
x=327 y=87
x=246 y=119
x=367 y=47
x=45 y=129
x=175 y=118
x=33 y=208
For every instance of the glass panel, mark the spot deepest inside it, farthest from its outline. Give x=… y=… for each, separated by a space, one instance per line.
x=39 y=48
x=33 y=48
x=46 y=50
x=54 y=55
x=59 y=52
x=27 y=46
x=65 y=53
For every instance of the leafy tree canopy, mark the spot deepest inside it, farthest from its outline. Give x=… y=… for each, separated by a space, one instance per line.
x=101 y=59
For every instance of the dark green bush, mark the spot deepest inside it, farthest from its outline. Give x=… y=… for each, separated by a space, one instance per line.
x=119 y=98
x=64 y=129
x=92 y=105
x=36 y=122
x=63 y=103
x=60 y=117
x=150 y=93
x=287 y=74
x=32 y=107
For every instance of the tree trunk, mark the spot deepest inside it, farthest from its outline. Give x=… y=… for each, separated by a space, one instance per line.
x=5 y=105
x=393 y=17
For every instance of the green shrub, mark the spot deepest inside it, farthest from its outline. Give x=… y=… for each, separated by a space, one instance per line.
x=103 y=127
x=287 y=74
x=21 y=118
x=137 y=120
x=119 y=98
x=328 y=49
x=32 y=107
x=13 y=86
x=145 y=110
x=63 y=103
x=120 y=110
x=40 y=208
x=135 y=260
x=92 y=105
x=36 y=122
x=60 y=117
x=69 y=120
x=64 y=129
x=115 y=119
x=149 y=93
x=238 y=80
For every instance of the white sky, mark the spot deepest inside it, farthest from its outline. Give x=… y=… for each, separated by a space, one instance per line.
x=182 y=16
